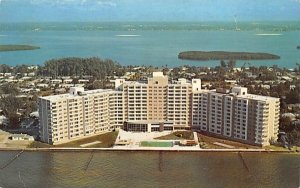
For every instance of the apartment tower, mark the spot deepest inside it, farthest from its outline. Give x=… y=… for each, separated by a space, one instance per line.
x=231 y=114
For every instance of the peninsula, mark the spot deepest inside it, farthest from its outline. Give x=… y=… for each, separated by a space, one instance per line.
x=15 y=47
x=222 y=55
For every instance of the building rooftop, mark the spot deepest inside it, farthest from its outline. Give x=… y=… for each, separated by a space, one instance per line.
x=257 y=97
x=80 y=94
x=134 y=82
x=246 y=96
x=217 y=92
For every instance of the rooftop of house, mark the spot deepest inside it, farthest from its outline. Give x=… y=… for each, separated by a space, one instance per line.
x=21 y=136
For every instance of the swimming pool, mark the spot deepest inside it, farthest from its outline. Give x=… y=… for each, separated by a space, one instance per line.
x=156 y=144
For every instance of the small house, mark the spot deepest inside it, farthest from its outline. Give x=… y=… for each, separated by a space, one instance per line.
x=21 y=137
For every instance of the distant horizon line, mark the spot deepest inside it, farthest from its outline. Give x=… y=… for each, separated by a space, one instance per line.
x=148 y=21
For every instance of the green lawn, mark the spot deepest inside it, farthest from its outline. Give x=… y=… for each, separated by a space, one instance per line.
x=275 y=148
x=37 y=144
x=107 y=140
x=207 y=142
x=280 y=148
x=178 y=135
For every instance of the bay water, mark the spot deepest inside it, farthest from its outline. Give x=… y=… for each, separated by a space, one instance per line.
x=150 y=169
x=148 y=43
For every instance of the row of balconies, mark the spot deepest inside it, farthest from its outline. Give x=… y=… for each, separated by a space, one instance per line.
x=212 y=112
x=133 y=118
x=199 y=119
x=138 y=101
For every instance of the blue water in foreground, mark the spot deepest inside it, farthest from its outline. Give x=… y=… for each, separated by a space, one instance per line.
x=148 y=46
x=150 y=169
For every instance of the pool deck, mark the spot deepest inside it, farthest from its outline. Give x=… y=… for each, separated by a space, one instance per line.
x=134 y=140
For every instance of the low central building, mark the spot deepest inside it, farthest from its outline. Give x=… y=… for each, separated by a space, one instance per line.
x=148 y=126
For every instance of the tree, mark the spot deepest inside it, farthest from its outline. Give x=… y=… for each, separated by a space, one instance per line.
x=165 y=71
x=293 y=96
x=175 y=72
x=9 y=89
x=75 y=81
x=231 y=64
x=223 y=64
x=294 y=137
x=22 y=69
x=97 y=84
x=285 y=124
x=77 y=67
x=5 y=68
x=29 y=107
x=10 y=105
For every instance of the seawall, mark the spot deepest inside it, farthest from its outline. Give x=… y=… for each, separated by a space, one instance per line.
x=141 y=149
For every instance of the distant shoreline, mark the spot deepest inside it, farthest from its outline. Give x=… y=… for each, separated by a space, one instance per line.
x=128 y=35
x=17 y=47
x=222 y=55
x=268 y=34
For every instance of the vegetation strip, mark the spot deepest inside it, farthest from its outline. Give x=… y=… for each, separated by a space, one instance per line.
x=222 y=55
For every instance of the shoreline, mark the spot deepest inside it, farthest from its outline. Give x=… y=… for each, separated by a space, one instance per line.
x=145 y=149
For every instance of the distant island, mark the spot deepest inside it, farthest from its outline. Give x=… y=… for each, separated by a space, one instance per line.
x=298 y=47
x=221 y=55
x=16 y=47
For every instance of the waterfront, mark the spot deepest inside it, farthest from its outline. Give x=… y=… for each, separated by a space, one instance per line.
x=149 y=169
x=145 y=44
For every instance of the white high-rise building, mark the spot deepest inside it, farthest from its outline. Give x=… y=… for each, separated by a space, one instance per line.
x=233 y=114
x=236 y=115
x=78 y=114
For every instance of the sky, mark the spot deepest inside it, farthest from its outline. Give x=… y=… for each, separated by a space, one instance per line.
x=148 y=10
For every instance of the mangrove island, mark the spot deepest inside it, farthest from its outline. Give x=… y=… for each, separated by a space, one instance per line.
x=221 y=55
x=15 y=47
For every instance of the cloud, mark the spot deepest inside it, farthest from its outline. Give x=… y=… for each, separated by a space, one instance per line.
x=54 y=2
x=106 y=3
